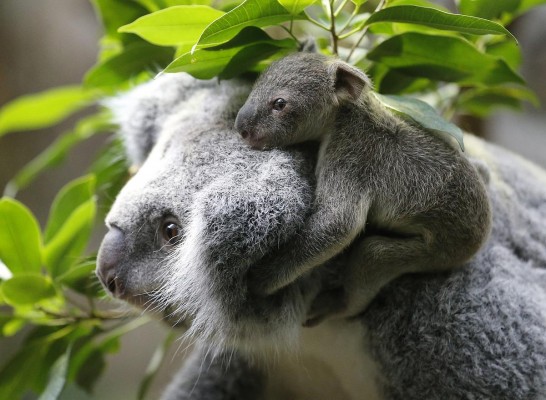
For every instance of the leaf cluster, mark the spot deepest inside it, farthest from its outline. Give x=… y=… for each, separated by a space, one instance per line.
x=414 y=50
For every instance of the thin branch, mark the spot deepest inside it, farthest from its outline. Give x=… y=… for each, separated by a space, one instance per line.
x=355 y=12
x=343 y=3
x=317 y=23
x=365 y=30
x=333 y=27
x=289 y=31
x=350 y=33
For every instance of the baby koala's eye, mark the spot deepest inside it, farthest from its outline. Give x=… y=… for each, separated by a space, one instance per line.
x=171 y=232
x=279 y=104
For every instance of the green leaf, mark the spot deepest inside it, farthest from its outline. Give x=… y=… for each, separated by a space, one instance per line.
x=83 y=339
x=248 y=56
x=66 y=246
x=39 y=351
x=487 y=8
x=56 y=152
x=439 y=20
x=484 y=104
x=154 y=364
x=253 y=35
x=20 y=238
x=27 y=289
x=420 y=3
x=82 y=279
x=57 y=377
x=202 y=64
x=259 y=13
x=482 y=101
x=443 y=58
x=296 y=6
x=43 y=109
x=424 y=115
x=14 y=383
x=155 y=5
x=180 y=25
x=114 y=14
x=88 y=362
x=396 y=82
x=88 y=374
x=12 y=326
x=113 y=73
x=70 y=197
x=508 y=50
x=111 y=171
x=247 y=48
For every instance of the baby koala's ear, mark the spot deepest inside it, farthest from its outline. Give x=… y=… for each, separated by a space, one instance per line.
x=349 y=81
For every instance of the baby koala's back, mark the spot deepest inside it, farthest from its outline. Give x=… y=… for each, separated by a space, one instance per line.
x=414 y=181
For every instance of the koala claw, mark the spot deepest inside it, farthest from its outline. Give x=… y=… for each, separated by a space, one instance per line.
x=258 y=279
x=264 y=278
x=327 y=304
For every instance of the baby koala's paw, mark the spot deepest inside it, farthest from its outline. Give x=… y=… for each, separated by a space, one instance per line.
x=327 y=304
x=263 y=278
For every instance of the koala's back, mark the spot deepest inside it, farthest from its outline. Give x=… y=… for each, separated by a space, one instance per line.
x=412 y=183
x=406 y=171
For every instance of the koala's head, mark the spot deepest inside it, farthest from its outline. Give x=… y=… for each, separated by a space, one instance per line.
x=202 y=208
x=296 y=99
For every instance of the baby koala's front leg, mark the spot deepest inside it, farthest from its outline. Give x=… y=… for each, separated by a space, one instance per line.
x=337 y=220
x=328 y=303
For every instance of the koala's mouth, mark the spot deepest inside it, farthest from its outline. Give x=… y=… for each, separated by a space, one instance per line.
x=143 y=301
x=254 y=139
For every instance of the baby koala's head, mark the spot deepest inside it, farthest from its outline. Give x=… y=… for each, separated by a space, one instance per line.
x=296 y=99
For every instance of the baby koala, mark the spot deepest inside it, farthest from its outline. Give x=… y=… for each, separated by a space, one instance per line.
x=418 y=201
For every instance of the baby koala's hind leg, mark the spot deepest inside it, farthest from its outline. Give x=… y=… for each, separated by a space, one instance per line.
x=374 y=263
x=379 y=260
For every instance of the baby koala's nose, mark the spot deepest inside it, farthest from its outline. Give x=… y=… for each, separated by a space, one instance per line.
x=244 y=133
x=242 y=122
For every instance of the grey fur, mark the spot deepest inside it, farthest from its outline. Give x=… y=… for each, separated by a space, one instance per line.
x=222 y=377
x=477 y=332
x=420 y=202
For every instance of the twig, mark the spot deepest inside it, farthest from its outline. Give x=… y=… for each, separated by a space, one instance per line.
x=317 y=23
x=289 y=31
x=343 y=3
x=365 y=30
x=333 y=27
x=354 y=13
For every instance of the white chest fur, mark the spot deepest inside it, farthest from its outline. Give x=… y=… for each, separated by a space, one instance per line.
x=332 y=363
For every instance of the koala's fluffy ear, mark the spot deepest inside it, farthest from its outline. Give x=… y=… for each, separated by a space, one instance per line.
x=141 y=112
x=349 y=81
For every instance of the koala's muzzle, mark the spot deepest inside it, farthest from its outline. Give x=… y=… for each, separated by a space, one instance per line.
x=244 y=121
x=110 y=256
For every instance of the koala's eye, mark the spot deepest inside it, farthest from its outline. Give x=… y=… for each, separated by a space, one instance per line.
x=171 y=232
x=279 y=104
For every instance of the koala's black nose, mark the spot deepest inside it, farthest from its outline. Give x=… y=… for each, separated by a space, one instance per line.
x=243 y=120
x=110 y=255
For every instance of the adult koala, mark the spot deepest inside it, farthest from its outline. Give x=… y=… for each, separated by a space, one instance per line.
x=203 y=207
